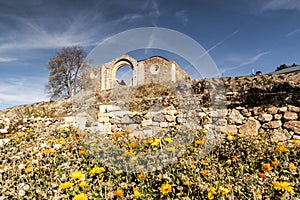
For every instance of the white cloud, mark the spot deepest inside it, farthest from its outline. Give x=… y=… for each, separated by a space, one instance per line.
x=35 y=35
x=249 y=61
x=293 y=32
x=131 y=17
x=182 y=15
x=254 y=58
x=282 y=5
x=6 y=59
x=21 y=90
x=155 y=8
x=220 y=43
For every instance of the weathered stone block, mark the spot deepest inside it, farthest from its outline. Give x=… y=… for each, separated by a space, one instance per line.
x=246 y=112
x=283 y=109
x=265 y=117
x=293 y=126
x=280 y=135
x=272 y=110
x=146 y=123
x=292 y=108
x=290 y=116
x=250 y=127
x=158 y=118
x=3 y=131
x=278 y=116
x=163 y=124
x=273 y=124
x=235 y=117
x=170 y=118
x=230 y=129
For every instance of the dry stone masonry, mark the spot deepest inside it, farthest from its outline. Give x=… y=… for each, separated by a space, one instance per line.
x=268 y=104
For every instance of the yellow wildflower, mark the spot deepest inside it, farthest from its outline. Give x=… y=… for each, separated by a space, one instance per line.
x=212 y=189
x=228 y=162
x=292 y=167
x=156 y=142
x=66 y=185
x=83 y=184
x=133 y=159
x=210 y=196
x=97 y=170
x=80 y=196
x=166 y=188
x=223 y=190
x=136 y=193
x=211 y=193
x=48 y=151
x=128 y=152
x=28 y=169
x=76 y=175
x=284 y=186
x=204 y=163
x=30 y=130
x=230 y=137
x=117 y=172
x=168 y=140
x=171 y=149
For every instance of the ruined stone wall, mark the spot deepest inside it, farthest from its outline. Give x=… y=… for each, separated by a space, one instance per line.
x=152 y=70
x=280 y=123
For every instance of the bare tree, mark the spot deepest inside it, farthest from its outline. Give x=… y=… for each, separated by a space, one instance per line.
x=65 y=70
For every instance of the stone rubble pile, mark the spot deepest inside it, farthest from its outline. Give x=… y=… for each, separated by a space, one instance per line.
x=282 y=123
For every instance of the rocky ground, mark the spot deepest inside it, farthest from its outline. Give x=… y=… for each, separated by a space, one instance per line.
x=247 y=98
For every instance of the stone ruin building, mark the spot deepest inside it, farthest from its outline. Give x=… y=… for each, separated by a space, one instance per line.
x=116 y=103
x=152 y=70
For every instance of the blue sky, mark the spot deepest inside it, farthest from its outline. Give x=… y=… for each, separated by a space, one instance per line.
x=238 y=34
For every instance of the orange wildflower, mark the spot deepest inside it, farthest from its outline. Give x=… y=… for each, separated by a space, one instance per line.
x=267 y=167
x=282 y=149
x=133 y=144
x=199 y=142
x=142 y=176
x=261 y=175
x=234 y=158
x=204 y=173
x=118 y=134
x=82 y=152
x=119 y=193
x=275 y=163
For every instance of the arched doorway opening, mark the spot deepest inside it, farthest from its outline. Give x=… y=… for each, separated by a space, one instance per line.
x=124 y=75
x=123 y=72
